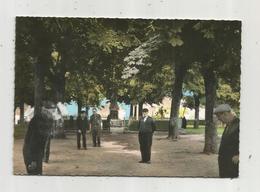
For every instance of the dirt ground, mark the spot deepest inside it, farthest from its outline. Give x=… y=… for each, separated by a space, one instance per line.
x=119 y=156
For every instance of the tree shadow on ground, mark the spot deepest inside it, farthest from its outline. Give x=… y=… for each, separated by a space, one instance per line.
x=126 y=141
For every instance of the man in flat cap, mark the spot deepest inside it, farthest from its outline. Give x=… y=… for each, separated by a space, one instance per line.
x=82 y=125
x=228 y=158
x=146 y=128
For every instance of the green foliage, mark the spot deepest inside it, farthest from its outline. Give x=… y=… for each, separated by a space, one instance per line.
x=83 y=88
x=150 y=86
x=160 y=114
x=226 y=94
x=92 y=55
x=194 y=85
x=175 y=41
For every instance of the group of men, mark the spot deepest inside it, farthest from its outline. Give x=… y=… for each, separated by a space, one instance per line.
x=95 y=126
x=40 y=126
x=146 y=129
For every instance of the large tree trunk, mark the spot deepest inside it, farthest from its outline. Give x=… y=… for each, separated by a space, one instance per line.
x=21 y=112
x=210 y=129
x=59 y=88
x=131 y=110
x=59 y=78
x=135 y=112
x=79 y=107
x=140 y=109
x=38 y=84
x=197 y=111
x=114 y=107
x=87 y=109
x=170 y=128
x=173 y=131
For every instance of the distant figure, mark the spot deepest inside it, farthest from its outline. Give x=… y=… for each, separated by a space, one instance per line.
x=228 y=158
x=146 y=129
x=184 y=123
x=71 y=122
x=38 y=131
x=108 y=122
x=95 y=127
x=82 y=124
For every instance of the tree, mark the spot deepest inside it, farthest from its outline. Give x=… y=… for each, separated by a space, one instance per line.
x=83 y=89
x=221 y=42
x=228 y=94
x=23 y=73
x=161 y=48
x=194 y=85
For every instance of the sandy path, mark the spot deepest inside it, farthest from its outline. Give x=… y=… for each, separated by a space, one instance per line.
x=119 y=156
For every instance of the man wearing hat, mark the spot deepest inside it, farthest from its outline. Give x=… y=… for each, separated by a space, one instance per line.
x=95 y=128
x=228 y=158
x=146 y=129
x=82 y=124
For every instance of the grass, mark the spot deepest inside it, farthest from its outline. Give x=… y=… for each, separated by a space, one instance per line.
x=201 y=130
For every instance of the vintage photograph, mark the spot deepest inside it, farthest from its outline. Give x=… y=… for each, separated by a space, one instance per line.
x=127 y=97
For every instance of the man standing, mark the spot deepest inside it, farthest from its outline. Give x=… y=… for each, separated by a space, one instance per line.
x=95 y=128
x=108 y=122
x=35 y=139
x=228 y=158
x=146 y=129
x=82 y=124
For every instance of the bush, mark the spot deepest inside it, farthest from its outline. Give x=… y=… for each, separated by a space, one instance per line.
x=162 y=125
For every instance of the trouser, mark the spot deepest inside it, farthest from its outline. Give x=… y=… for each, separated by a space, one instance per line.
x=95 y=138
x=227 y=169
x=46 y=153
x=37 y=170
x=83 y=134
x=36 y=156
x=145 y=141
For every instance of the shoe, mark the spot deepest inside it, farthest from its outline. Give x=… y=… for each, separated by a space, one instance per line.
x=85 y=148
x=141 y=162
x=148 y=162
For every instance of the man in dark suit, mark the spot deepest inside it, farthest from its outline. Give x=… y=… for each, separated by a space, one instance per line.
x=228 y=158
x=82 y=124
x=146 y=129
x=37 y=133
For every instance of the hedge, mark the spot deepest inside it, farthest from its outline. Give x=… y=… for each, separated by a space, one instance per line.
x=161 y=125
